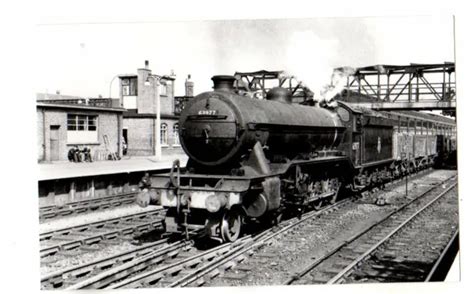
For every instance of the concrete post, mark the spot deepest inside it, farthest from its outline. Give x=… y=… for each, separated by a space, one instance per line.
x=120 y=132
x=157 y=84
x=72 y=190
x=91 y=188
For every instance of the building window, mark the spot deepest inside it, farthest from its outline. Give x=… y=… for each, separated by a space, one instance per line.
x=164 y=134
x=76 y=122
x=163 y=89
x=81 y=128
x=176 y=134
x=129 y=86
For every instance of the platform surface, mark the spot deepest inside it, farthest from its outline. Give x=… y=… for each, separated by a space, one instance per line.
x=63 y=170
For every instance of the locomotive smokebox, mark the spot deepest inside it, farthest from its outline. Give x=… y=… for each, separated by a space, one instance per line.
x=223 y=83
x=279 y=94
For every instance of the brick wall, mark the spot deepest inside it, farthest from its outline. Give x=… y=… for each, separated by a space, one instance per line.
x=146 y=98
x=166 y=104
x=40 y=135
x=52 y=118
x=171 y=147
x=140 y=132
x=167 y=101
x=108 y=124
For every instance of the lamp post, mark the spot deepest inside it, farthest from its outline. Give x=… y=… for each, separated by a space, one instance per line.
x=154 y=81
x=110 y=85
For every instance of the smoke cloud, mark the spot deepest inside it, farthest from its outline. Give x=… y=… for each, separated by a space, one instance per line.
x=310 y=60
x=338 y=81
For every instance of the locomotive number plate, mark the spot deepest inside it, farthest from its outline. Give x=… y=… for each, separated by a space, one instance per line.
x=207 y=112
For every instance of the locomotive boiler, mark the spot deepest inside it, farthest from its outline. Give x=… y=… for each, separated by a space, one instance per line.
x=218 y=128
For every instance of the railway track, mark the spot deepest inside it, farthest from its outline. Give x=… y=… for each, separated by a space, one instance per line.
x=54 y=211
x=276 y=263
x=87 y=235
x=192 y=266
x=181 y=264
x=392 y=249
x=71 y=275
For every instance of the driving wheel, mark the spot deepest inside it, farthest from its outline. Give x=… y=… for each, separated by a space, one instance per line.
x=230 y=226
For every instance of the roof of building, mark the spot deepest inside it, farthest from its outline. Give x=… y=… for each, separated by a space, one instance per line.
x=49 y=96
x=79 y=107
x=76 y=102
x=128 y=75
x=132 y=113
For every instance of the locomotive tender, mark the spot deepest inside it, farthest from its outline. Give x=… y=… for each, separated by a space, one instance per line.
x=251 y=159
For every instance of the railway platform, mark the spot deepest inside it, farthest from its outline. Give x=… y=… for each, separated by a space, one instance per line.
x=65 y=169
x=61 y=183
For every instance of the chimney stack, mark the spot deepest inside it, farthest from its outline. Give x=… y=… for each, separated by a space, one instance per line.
x=146 y=64
x=189 y=87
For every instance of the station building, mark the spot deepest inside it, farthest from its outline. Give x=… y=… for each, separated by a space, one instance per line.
x=143 y=121
x=150 y=122
x=64 y=122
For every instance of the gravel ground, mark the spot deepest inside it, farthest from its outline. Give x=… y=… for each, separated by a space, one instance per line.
x=78 y=257
x=88 y=217
x=397 y=194
x=275 y=263
x=97 y=251
x=417 y=247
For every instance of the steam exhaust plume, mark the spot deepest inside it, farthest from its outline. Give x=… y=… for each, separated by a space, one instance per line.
x=311 y=62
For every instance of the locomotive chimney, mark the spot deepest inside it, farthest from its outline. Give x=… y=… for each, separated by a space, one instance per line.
x=223 y=83
x=146 y=64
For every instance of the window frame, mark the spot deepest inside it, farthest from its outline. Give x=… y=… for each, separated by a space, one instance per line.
x=82 y=128
x=164 y=89
x=176 y=141
x=129 y=86
x=88 y=121
x=164 y=134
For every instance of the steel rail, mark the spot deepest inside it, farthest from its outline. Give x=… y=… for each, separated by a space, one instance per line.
x=87 y=268
x=136 y=262
x=182 y=263
x=254 y=242
x=53 y=211
x=124 y=270
x=229 y=252
x=258 y=241
x=83 y=227
x=440 y=260
x=388 y=236
x=99 y=236
x=310 y=267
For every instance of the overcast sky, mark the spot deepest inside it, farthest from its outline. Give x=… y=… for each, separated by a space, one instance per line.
x=83 y=59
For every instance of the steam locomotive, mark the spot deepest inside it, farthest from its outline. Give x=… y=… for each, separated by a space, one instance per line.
x=250 y=160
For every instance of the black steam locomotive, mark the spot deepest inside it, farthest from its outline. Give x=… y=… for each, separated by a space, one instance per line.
x=251 y=159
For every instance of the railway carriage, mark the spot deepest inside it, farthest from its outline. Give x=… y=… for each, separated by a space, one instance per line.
x=250 y=160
